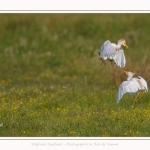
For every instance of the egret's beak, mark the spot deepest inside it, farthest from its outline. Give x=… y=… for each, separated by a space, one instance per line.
x=124 y=71
x=126 y=45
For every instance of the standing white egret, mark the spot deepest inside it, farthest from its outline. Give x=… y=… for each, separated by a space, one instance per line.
x=113 y=52
x=132 y=86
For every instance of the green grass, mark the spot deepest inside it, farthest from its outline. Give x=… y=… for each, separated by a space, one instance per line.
x=52 y=82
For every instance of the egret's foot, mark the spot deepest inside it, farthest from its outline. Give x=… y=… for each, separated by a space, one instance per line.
x=102 y=61
x=111 y=61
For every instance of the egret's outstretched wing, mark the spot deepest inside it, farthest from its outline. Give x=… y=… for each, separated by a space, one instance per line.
x=120 y=59
x=107 y=50
x=126 y=87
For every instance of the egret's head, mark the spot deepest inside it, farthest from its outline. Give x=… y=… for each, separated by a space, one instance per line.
x=129 y=73
x=123 y=42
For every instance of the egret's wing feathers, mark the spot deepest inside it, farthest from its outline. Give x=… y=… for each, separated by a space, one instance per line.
x=107 y=50
x=144 y=83
x=120 y=59
x=126 y=87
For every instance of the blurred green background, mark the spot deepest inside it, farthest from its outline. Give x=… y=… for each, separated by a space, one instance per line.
x=67 y=44
x=52 y=82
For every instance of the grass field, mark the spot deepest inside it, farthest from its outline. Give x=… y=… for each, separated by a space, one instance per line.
x=52 y=82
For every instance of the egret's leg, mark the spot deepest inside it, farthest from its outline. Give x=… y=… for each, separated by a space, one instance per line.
x=135 y=100
x=102 y=61
x=140 y=97
x=112 y=62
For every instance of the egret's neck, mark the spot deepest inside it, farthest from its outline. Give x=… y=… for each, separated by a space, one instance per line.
x=129 y=78
x=118 y=46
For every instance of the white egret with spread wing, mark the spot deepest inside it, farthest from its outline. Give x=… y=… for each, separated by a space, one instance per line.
x=113 y=52
x=132 y=86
